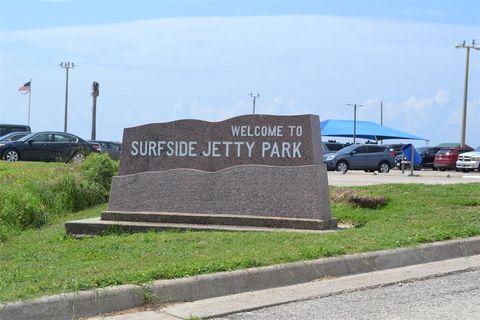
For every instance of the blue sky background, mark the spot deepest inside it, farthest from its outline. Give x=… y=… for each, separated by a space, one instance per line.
x=158 y=61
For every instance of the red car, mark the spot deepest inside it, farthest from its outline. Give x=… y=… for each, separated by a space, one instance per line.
x=446 y=158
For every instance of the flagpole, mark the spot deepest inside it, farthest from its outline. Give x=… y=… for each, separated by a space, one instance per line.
x=29 y=101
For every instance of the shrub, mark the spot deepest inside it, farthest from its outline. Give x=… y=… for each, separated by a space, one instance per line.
x=99 y=168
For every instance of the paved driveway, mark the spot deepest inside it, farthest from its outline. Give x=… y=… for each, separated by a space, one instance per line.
x=360 y=178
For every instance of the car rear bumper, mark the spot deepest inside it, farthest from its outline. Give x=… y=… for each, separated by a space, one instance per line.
x=444 y=165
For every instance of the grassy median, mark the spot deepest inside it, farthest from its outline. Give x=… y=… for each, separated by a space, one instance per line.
x=38 y=262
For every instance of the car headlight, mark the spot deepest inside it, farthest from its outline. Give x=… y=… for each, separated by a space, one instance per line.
x=476 y=158
x=330 y=157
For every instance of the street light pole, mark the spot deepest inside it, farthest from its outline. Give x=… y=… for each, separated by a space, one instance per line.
x=354 y=118
x=254 y=97
x=381 y=112
x=66 y=66
x=381 y=116
x=465 y=91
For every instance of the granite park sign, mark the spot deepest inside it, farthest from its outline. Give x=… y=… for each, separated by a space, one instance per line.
x=252 y=172
x=211 y=146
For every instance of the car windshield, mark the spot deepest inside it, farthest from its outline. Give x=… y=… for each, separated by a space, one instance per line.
x=422 y=149
x=28 y=136
x=348 y=149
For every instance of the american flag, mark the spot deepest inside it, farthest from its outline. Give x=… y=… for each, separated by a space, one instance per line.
x=25 y=88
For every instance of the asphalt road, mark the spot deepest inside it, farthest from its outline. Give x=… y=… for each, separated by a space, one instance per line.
x=360 y=178
x=455 y=296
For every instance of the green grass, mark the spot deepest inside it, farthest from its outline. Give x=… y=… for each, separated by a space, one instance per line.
x=32 y=193
x=42 y=261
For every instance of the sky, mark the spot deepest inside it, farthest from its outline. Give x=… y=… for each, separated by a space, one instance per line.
x=158 y=61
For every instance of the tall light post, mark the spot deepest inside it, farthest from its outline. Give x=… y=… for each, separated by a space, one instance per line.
x=381 y=112
x=465 y=92
x=66 y=66
x=354 y=118
x=254 y=97
x=381 y=116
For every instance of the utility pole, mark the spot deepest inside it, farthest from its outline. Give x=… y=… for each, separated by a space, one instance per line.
x=254 y=97
x=66 y=66
x=95 y=94
x=381 y=116
x=465 y=92
x=354 y=118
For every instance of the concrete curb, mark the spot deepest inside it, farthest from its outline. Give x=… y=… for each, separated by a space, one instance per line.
x=94 y=302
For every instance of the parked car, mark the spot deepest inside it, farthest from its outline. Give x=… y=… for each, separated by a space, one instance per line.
x=362 y=157
x=395 y=148
x=111 y=147
x=7 y=128
x=47 y=146
x=446 y=158
x=13 y=136
x=427 y=154
x=331 y=147
x=469 y=161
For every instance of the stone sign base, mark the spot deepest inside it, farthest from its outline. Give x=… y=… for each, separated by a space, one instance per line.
x=240 y=198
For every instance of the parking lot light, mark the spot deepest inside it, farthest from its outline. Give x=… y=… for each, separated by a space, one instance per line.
x=354 y=118
x=66 y=66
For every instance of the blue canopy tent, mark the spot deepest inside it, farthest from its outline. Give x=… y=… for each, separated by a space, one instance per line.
x=364 y=130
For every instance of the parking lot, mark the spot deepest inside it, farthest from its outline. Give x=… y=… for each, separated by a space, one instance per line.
x=361 y=178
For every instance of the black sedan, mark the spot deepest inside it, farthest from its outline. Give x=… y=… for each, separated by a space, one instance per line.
x=47 y=146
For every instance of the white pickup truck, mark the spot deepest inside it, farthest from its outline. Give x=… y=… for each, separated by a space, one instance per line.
x=469 y=161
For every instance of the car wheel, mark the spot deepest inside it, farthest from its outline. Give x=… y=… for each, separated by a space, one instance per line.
x=383 y=167
x=11 y=155
x=443 y=169
x=78 y=158
x=465 y=170
x=342 y=166
x=434 y=169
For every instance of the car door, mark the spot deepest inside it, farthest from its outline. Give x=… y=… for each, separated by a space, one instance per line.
x=375 y=155
x=38 y=147
x=359 y=157
x=64 y=146
x=429 y=156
